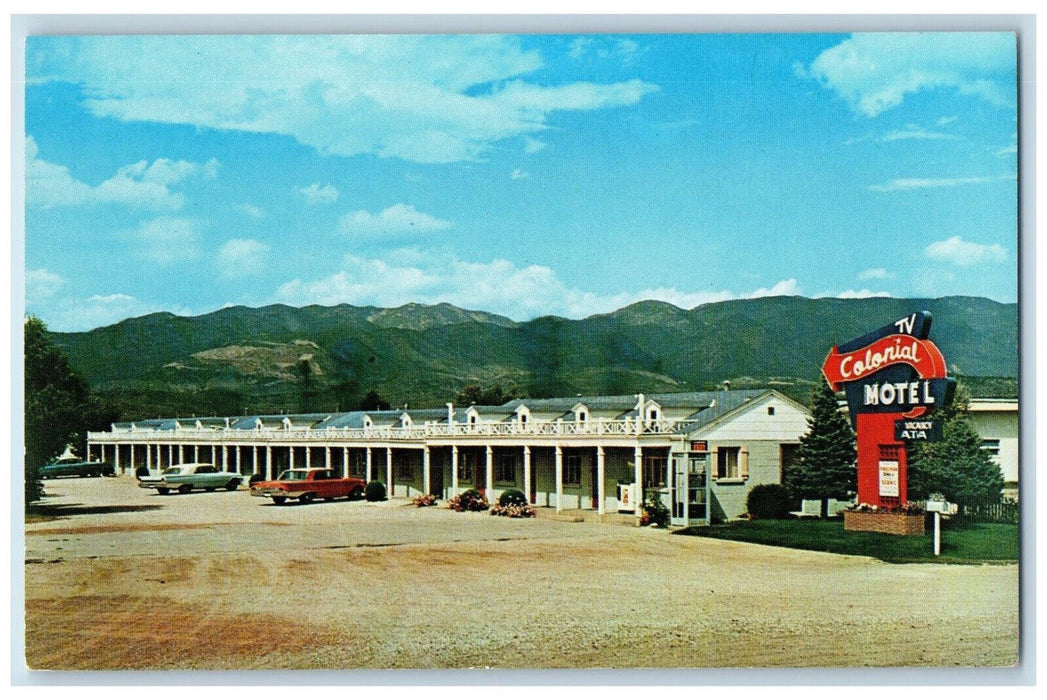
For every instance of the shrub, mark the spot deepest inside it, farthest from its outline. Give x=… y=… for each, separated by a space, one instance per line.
x=141 y=472
x=471 y=500
x=770 y=501
x=656 y=510
x=513 y=510
x=375 y=491
x=512 y=497
x=255 y=478
x=426 y=499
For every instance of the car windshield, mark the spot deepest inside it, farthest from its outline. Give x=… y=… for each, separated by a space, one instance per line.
x=294 y=475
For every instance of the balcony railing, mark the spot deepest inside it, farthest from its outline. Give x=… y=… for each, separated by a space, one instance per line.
x=591 y=428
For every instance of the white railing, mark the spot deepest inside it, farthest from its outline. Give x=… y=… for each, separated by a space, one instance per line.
x=597 y=427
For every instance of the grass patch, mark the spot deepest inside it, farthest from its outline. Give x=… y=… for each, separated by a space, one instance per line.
x=975 y=543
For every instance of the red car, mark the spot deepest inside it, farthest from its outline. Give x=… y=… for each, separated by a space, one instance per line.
x=309 y=484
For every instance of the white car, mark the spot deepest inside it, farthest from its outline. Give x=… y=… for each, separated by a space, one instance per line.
x=183 y=478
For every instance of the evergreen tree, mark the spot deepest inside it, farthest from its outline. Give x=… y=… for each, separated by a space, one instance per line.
x=59 y=406
x=826 y=466
x=955 y=466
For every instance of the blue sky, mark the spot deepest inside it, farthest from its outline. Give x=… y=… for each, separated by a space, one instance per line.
x=523 y=175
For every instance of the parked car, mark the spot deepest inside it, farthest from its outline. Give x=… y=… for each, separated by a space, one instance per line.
x=309 y=484
x=74 y=466
x=183 y=478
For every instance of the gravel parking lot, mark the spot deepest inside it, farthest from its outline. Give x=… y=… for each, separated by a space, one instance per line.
x=122 y=578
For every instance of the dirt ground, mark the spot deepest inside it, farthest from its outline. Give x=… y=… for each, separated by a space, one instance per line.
x=123 y=578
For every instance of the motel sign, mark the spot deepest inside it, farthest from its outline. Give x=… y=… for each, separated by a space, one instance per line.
x=894 y=379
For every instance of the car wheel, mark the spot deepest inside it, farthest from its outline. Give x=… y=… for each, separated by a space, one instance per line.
x=356 y=495
x=232 y=485
x=279 y=500
x=305 y=498
x=163 y=492
x=209 y=489
x=185 y=488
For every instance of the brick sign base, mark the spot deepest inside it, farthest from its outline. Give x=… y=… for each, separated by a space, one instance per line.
x=888 y=523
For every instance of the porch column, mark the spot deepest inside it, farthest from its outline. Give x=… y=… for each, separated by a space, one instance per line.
x=599 y=480
x=269 y=462
x=148 y=456
x=181 y=454
x=308 y=456
x=254 y=459
x=345 y=461
x=196 y=453
x=237 y=454
x=170 y=454
x=425 y=469
x=559 y=477
x=454 y=470
x=225 y=458
x=389 y=469
x=527 y=472
x=368 y=466
x=131 y=462
x=116 y=457
x=489 y=481
x=638 y=478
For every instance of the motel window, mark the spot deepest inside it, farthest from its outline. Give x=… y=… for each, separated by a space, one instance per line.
x=770 y=410
x=728 y=463
x=466 y=462
x=403 y=467
x=357 y=464
x=505 y=469
x=572 y=470
x=654 y=470
x=992 y=447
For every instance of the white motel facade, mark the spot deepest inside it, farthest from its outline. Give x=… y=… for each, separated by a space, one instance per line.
x=702 y=451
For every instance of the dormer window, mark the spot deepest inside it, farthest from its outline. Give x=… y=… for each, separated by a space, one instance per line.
x=286 y=423
x=523 y=419
x=257 y=423
x=581 y=416
x=368 y=423
x=405 y=421
x=472 y=419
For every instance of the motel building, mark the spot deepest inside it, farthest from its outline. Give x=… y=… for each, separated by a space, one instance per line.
x=702 y=451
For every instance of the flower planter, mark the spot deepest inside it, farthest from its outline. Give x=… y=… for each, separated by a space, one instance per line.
x=888 y=523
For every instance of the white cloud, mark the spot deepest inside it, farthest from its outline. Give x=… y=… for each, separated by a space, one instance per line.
x=874 y=273
x=315 y=194
x=963 y=253
x=913 y=132
x=519 y=175
x=533 y=145
x=241 y=257
x=252 y=211
x=789 y=287
x=921 y=183
x=41 y=284
x=76 y=314
x=399 y=218
x=875 y=72
x=423 y=98
x=498 y=286
x=140 y=185
x=860 y=294
x=167 y=240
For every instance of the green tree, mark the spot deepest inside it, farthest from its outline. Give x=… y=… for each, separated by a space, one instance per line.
x=955 y=466
x=826 y=465
x=373 y=402
x=59 y=406
x=475 y=394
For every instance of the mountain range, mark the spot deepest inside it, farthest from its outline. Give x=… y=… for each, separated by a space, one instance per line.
x=318 y=358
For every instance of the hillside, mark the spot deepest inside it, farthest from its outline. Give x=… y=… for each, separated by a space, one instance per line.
x=320 y=358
